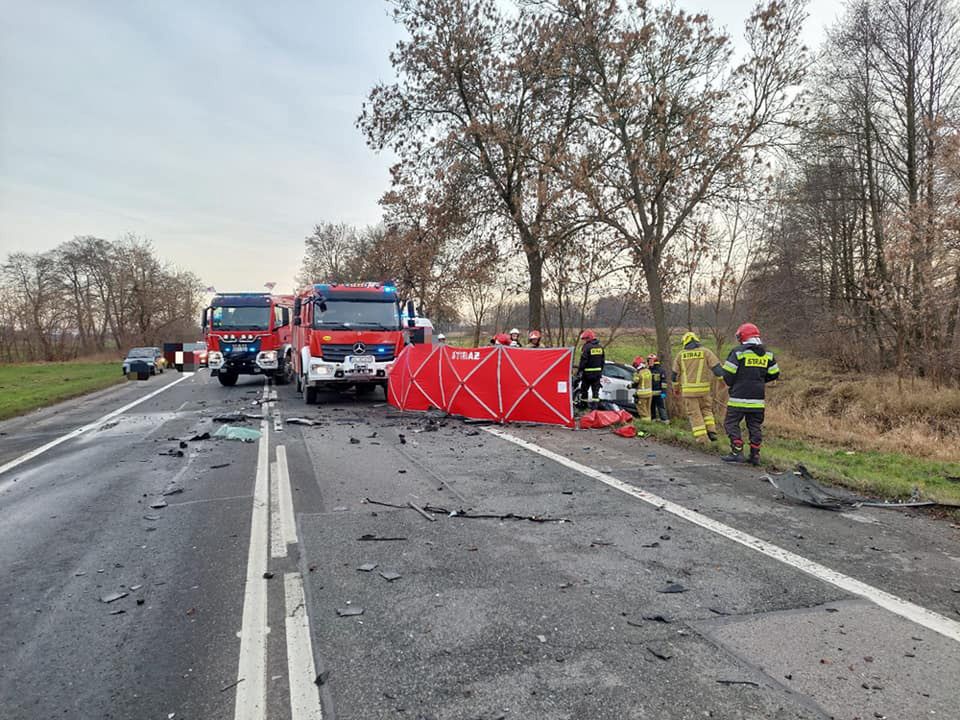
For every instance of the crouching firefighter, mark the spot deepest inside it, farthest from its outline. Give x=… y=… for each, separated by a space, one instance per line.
x=746 y=371
x=692 y=378
x=590 y=369
x=643 y=382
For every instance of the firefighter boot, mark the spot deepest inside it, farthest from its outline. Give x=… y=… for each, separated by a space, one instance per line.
x=736 y=453
x=712 y=435
x=754 y=456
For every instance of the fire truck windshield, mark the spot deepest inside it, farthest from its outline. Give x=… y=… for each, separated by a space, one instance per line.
x=241 y=318
x=347 y=314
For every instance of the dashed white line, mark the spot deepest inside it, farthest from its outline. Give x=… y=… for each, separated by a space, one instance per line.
x=251 y=699
x=920 y=615
x=278 y=546
x=85 y=428
x=304 y=693
x=287 y=521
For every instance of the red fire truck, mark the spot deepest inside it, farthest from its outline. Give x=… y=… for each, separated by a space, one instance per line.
x=249 y=334
x=346 y=335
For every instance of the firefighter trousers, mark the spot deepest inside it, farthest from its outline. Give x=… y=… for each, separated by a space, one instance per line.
x=590 y=387
x=731 y=426
x=658 y=408
x=700 y=411
x=643 y=407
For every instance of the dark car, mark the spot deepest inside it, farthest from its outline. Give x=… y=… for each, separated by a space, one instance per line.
x=151 y=355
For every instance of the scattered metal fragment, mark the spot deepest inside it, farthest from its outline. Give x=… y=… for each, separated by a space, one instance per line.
x=201 y=436
x=183 y=445
x=232 y=685
x=368 y=536
x=134 y=588
x=542 y=638
x=718 y=611
x=117 y=612
x=354 y=441
x=322 y=678
x=390 y=575
x=367 y=567
x=350 y=611
x=658 y=618
x=113 y=597
x=659 y=654
x=654 y=544
x=268 y=575
x=221 y=465
x=172 y=490
x=231 y=417
x=300 y=421
x=801 y=486
x=158 y=504
x=403 y=439
x=673 y=588
x=151 y=517
x=172 y=452
x=739 y=682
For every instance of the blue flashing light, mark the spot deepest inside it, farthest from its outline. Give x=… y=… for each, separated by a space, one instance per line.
x=381 y=350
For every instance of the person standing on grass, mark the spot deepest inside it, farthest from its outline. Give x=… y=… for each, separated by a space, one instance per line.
x=643 y=382
x=535 y=338
x=692 y=379
x=658 y=403
x=590 y=369
x=747 y=370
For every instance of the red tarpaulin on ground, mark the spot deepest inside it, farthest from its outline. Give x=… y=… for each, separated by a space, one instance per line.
x=497 y=383
x=604 y=418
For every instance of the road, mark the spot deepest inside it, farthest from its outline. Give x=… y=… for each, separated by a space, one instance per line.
x=653 y=583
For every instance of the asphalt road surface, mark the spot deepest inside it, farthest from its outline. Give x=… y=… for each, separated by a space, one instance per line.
x=295 y=576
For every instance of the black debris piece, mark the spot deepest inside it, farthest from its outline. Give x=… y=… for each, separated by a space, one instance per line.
x=113 y=596
x=350 y=611
x=475 y=421
x=673 y=588
x=201 y=436
x=718 y=611
x=472 y=433
x=659 y=654
x=268 y=575
x=403 y=439
x=402 y=471
x=140 y=601
x=659 y=618
x=221 y=465
x=183 y=444
x=117 y=612
x=158 y=504
x=664 y=537
x=802 y=487
x=566 y=492
x=300 y=421
x=739 y=682
x=367 y=567
x=354 y=441
x=322 y=678
x=172 y=490
x=172 y=452
x=231 y=685
x=372 y=435
x=390 y=575
x=493 y=516
x=231 y=418
x=376 y=538
x=654 y=544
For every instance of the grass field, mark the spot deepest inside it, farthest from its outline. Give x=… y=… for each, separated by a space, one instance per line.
x=27 y=386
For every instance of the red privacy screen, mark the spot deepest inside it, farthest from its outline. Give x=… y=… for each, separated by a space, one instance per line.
x=497 y=383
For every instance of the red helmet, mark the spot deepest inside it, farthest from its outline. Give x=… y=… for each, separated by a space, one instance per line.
x=747 y=331
x=588 y=335
x=502 y=339
x=534 y=335
x=638 y=361
x=651 y=359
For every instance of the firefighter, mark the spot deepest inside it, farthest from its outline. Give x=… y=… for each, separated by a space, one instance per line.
x=534 y=338
x=747 y=370
x=502 y=339
x=515 y=338
x=643 y=382
x=590 y=369
x=692 y=378
x=442 y=339
x=658 y=403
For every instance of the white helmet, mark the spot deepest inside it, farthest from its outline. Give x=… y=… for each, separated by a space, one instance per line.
x=441 y=336
x=514 y=332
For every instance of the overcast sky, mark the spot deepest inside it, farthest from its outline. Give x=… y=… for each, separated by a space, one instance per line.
x=221 y=129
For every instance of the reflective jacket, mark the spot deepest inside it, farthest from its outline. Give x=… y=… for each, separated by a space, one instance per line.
x=692 y=368
x=746 y=371
x=656 y=378
x=591 y=359
x=643 y=382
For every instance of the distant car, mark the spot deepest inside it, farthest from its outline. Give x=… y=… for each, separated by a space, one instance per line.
x=614 y=386
x=151 y=355
x=199 y=350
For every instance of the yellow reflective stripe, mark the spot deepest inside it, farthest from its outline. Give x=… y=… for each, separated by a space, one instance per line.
x=730 y=367
x=699 y=431
x=745 y=403
x=773 y=369
x=708 y=419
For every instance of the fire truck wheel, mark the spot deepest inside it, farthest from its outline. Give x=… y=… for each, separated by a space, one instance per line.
x=285 y=375
x=299 y=384
x=227 y=379
x=309 y=395
x=365 y=389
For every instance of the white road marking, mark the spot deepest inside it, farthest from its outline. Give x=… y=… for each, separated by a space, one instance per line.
x=287 y=521
x=86 y=428
x=920 y=615
x=304 y=693
x=251 y=699
x=278 y=547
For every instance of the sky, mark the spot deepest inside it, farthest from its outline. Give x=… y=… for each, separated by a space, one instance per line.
x=223 y=130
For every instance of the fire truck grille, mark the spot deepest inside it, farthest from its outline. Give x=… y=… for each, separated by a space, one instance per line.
x=338 y=353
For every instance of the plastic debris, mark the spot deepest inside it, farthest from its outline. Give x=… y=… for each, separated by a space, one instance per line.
x=351 y=611
x=367 y=567
x=113 y=597
x=231 y=432
x=627 y=431
x=390 y=575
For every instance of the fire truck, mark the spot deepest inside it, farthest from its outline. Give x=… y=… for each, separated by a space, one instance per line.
x=348 y=335
x=249 y=334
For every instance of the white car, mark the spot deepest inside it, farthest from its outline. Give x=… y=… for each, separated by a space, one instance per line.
x=614 y=386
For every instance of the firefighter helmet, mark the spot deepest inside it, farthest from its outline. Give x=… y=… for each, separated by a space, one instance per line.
x=516 y=332
x=588 y=335
x=502 y=339
x=638 y=361
x=747 y=331
x=651 y=359
x=689 y=337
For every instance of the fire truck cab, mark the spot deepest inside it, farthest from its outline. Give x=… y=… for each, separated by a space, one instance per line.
x=249 y=334
x=346 y=335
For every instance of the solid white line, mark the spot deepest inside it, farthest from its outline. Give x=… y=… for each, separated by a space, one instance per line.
x=278 y=548
x=304 y=693
x=85 y=428
x=251 y=700
x=287 y=521
x=920 y=615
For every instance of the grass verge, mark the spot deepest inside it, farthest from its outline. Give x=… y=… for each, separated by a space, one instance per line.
x=872 y=473
x=28 y=386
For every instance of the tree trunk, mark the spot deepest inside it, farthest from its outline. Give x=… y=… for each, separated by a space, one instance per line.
x=535 y=294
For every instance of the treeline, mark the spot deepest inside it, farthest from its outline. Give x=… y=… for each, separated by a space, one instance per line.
x=91 y=295
x=577 y=151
